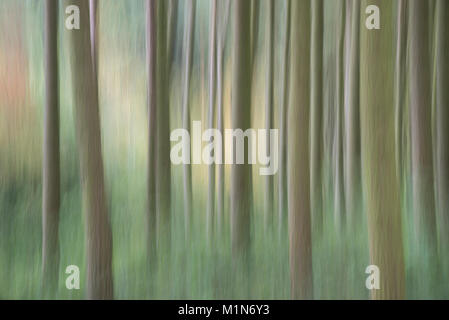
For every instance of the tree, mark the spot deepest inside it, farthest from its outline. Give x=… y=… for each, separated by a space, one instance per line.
x=220 y=59
x=298 y=167
x=269 y=110
x=151 y=63
x=163 y=163
x=400 y=84
x=339 y=198
x=171 y=27
x=351 y=112
x=87 y=124
x=282 y=175
x=421 y=127
x=93 y=4
x=188 y=51
x=241 y=118
x=51 y=163
x=316 y=113
x=212 y=60
x=380 y=183
x=442 y=109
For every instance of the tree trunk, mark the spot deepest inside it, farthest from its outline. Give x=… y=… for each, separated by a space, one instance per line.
x=51 y=164
x=151 y=63
x=93 y=4
x=241 y=119
x=421 y=127
x=339 y=198
x=351 y=112
x=380 y=181
x=400 y=86
x=316 y=109
x=188 y=51
x=163 y=162
x=269 y=110
x=298 y=154
x=282 y=175
x=172 y=26
x=442 y=109
x=212 y=59
x=87 y=124
x=220 y=125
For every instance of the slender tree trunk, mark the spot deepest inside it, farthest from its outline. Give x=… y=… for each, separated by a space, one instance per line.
x=87 y=124
x=241 y=118
x=188 y=51
x=212 y=60
x=151 y=63
x=255 y=10
x=220 y=59
x=316 y=109
x=442 y=109
x=298 y=154
x=163 y=163
x=339 y=198
x=93 y=5
x=172 y=26
x=51 y=165
x=269 y=110
x=400 y=85
x=420 y=107
x=381 y=185
x=282 y=175
x=351 y=112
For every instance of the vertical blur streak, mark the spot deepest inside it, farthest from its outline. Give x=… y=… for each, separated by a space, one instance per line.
x=152 y=130
x=269 y=110
x=339 y=200
x=220 y=123
x=51 y=166
x=442 y=105
x=189 y=41
x=380 y=183
x=351 y=113
x=400 y=82
x=421 y=126
x=282 y=192
x=316 y=113
x=212 y=60
x=299 y=224
x=87 y=124
x=241 y=118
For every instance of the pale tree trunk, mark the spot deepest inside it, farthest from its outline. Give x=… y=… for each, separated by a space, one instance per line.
x=299 y=223
x=241 y=119
x=87 y=124
x=268 y=197
x=282 y=175
x=381 y=186
x=172 y=26
x=351 y=114
x=163 y=163
x=442 y=109
x=316 y=114
x=93 y=5
x=212 y=60
x=220 y=124
x=188 y=51
x=51 y=162
x=421 y=127
x=339 y=199
x=151 y=63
